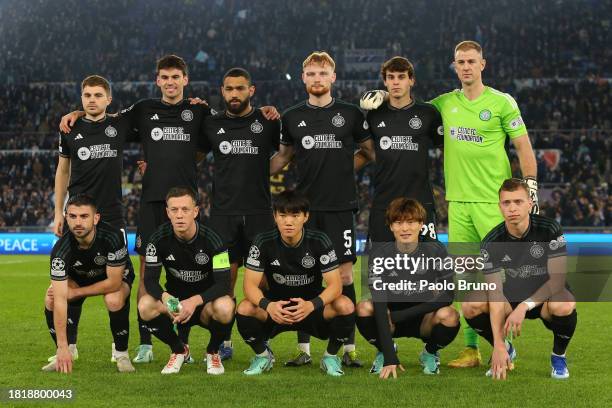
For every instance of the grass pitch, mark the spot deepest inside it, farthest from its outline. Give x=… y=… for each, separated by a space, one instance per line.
x=26 y=344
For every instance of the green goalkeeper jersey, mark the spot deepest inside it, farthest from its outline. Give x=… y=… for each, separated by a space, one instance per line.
x=475 y=158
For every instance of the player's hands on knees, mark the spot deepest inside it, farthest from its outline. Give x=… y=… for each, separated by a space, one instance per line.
x=300 y=310
x=58 y=225
x=278 y=313
x=500 y=362
x=514 y=321
x=390 y=371
x=142 y=166
x=188 y=307
x=197 y=101
x=270 y=112
x=63 y=360
x=68 y=121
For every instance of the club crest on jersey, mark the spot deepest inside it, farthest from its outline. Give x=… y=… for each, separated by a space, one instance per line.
x=415 y=123
x=201 y=258
x=84 y=153
x=536 y=250
x=338 y=120
x=100 y=260
x=485 y=114
x=157 y=134
x=385 y=142
x=225 y=147
x=187 y=115
x=308 y=142
x=256 y=127
x=110 y=131
x=308 y=261
x=278 y=278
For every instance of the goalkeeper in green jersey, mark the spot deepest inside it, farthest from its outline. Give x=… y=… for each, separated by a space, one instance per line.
x=478 y=120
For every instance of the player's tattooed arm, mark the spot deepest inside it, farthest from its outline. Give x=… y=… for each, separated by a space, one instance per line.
x=281 y=159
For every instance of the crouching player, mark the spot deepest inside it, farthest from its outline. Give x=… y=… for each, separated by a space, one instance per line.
x=421 y=306
x=295 y=262
x=530 y=251
x=90 y=260
x=197 y=282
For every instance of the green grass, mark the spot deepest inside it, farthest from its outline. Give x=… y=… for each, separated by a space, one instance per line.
x=25 y=345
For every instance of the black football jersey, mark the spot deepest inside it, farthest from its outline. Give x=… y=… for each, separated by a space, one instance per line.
x=241 y=148
x=95 y=150
x=402 y=139
x=325 y=140
x=293 y=272
x=171 y=137
x=88 y=266
x=523 y=260
x=189 y=265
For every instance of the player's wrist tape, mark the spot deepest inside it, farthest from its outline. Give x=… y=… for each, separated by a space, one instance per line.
x=317 y=302
x=264 y=302
x=529 y=303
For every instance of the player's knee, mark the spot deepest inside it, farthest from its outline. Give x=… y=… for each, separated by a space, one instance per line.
x=561 y=308
x=114 y=301
x=223 y=309
x=346 y=277
x=448 y=316
x=365 y=308
x=246 y=308
x=472 y=309
x=343 y=306
x=146 y=308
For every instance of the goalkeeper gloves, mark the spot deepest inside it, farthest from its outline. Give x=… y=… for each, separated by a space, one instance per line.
x=371 y=100
x=532 y=185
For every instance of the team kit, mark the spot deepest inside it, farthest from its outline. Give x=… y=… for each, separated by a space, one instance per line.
x=298 y=247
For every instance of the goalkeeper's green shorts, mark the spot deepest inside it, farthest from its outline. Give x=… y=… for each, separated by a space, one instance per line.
x=471 y=222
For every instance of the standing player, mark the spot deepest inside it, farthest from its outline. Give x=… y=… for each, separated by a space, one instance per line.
x=323 y=134
x=403 y=131
x=91 y=259
x=197 y=282
x=478 y=120
x=242 y=141
x=530 y=251
x=91 y=162
x=422 y=313
x=295 y=261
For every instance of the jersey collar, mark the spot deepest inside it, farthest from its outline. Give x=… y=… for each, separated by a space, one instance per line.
x=197 y=233
x=296 y=245
x=524 y=235
x=403 y=108
x=84 y=119
x=171 y=104
x=251 y=113
x=329 y=105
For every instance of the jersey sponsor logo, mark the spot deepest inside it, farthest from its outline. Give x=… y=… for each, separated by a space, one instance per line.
x=516 y=123
x=275 y=262
x=324 y=259
x=100 y=260
x=485 y=115
x=366 y=125
x=278 y=278
x=332 y=256
x=326 y=141
x=110 y=131
x=302 y=124
x=187 y=115
x=536 y=250
x=112 y=256
x=381 y=124
x=308 y=261
x=526 y=271
x=99 y=151
x=238 y=147
x=155 y=117
x=256 y=127
x=464 y=134
x=415 y=123
x=293 y=280
x=78 y=137
x=398 y=143
x=201 y=258
x=170 y=258
x=58 y=267
x=171 y=133
x=338 y=120
x=220 y=131
x=187 y=275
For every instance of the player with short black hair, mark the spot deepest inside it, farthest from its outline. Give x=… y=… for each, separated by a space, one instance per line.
x=404 y=130
x=242 y=141
x=295 y=262
x=91 y=259
x=197 y=282
x=422 y=313
x=529 y=250
x=323 y=133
